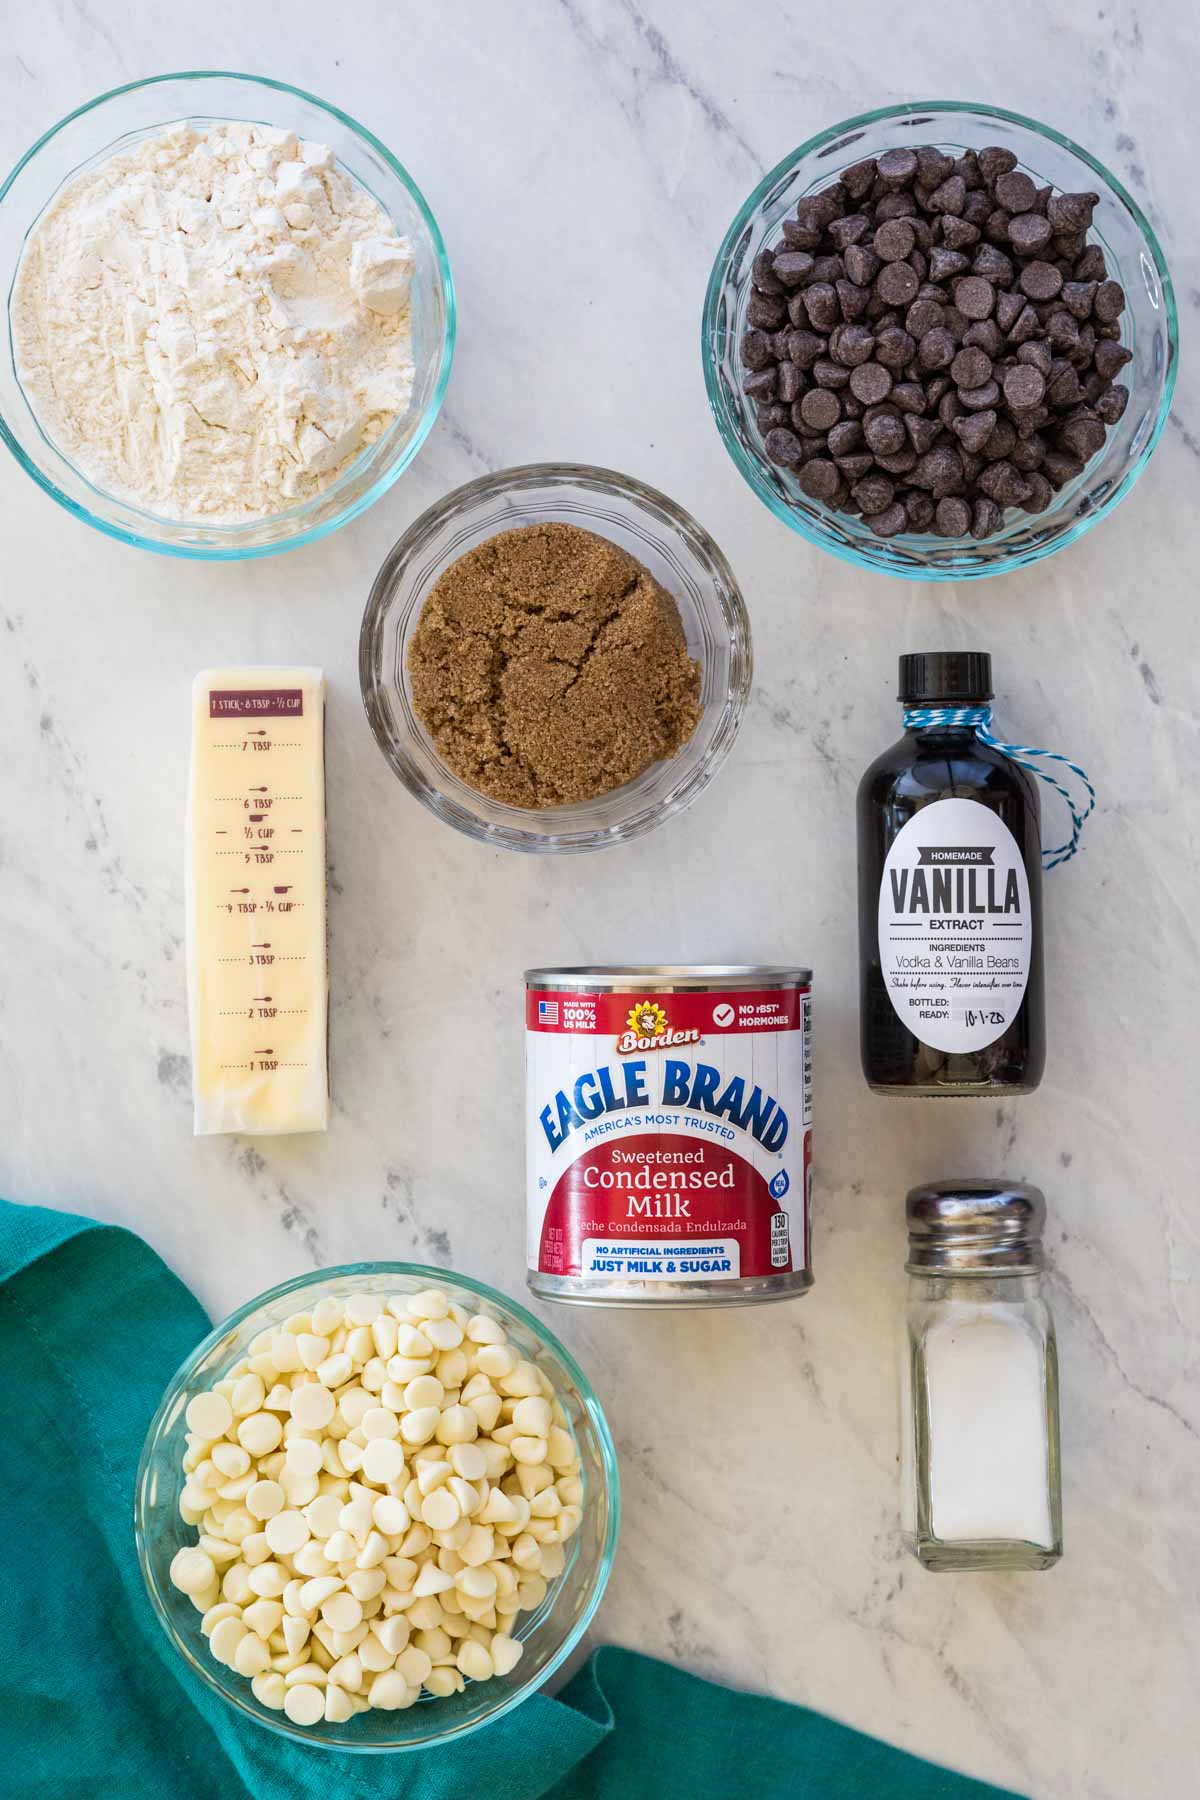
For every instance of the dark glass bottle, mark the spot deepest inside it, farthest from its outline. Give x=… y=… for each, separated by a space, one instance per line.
x=950 y=901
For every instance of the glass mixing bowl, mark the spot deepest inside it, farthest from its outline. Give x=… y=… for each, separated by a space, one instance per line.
x=549 y=1634
x=1149 y=327
x=116 y=121
x=680 y=555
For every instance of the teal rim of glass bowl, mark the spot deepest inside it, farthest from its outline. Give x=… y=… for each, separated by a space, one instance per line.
x=213 y=552
x=433 y=1277
x=749 y=467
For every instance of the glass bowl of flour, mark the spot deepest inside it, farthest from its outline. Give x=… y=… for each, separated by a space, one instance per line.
x=230 y=316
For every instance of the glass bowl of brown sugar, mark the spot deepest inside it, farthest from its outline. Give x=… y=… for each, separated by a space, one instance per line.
x=555 y=658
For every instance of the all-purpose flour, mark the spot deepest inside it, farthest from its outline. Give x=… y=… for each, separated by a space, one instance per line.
x=212 y=324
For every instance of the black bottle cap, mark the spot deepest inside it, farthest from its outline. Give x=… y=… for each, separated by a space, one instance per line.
x=934 y=677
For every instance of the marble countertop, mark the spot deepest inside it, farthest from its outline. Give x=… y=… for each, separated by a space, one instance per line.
x=584 y=160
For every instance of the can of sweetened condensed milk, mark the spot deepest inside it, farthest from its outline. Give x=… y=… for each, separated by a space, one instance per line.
x=669 y=1134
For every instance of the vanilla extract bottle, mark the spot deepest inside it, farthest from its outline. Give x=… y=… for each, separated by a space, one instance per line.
x=950 y=896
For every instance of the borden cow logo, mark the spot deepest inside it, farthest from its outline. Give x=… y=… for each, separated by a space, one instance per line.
x=647 y=1029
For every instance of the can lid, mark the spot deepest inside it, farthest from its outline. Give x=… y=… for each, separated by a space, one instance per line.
x=671 y=977
x=975 y=1227
x=929 y=677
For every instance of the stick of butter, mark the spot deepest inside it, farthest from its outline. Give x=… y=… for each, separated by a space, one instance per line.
x=258 y=983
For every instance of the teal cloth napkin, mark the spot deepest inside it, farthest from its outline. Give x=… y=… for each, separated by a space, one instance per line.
x=96 y=1702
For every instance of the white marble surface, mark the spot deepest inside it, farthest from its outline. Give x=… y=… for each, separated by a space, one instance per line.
x=584 y=160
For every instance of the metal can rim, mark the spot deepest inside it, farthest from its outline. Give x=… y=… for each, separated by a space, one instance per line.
x=666 y=977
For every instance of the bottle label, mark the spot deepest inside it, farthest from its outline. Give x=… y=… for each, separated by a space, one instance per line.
x=955 y=927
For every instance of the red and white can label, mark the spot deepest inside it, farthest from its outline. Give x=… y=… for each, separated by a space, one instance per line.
x=669 y=1135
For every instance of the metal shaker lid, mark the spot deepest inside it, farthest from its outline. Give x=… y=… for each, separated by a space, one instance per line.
x=975 y=1227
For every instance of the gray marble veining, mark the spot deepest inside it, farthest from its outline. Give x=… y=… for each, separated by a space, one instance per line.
x=584 y=159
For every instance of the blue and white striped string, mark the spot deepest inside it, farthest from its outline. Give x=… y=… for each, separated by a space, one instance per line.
x=923 y=718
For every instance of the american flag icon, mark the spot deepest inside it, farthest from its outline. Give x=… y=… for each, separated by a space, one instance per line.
x=547 y=1012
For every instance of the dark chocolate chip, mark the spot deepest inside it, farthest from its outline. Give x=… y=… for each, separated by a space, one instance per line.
x=940 y=470
x=1041 y=280
x=762 y=384
x=850 y=230
x=920 y=509
x=922 y=433
x=896 y=284
x=937 y=349
x=1037 y=352
x=995 y=161
x=845 y=438
x=884 y=432
x=887 y=524
x=1091 y=265
x=894 y=240
x=909 y=396
x=871 y=382
x=943 y=264
x=1002 y=441
x=766 y=311
x=958 y=234
x=862 y=264
x=764 y=273
x=974 y=429
x=859 y=178
x=1040 y=492
x=852 y=345
x=852 y=299
x=1004 y=484
x=1109 y=303
x=950 y=197
x=894 y=347
x=874 y=493
x=804 y=347
x=895 y=206
x=979 y=399
x=896 y=168
x=1063 y=388
x=792 y=266
x=1029 y=233
x=1009 y=308
x=993 y=265
x=1082 y=436
x=1112 y=403
x=986 y=518
x=820 y=409
x=971 y=368
x=756 y=350
x=1110 y=359
x=974 y=297
x=1062 y=331
x=1071 y=212
x=1078 y=296
x=1023 y=386
x=791 y=382
x=1015 y=191
x=996 y=226
x=952 y=518
x=855 y=464
x=984 y=335
x=1028 y=452
x=922 y=316
x=783 y=446
x=933 y=166
x=821 y=305
x=829 y=374
x=1025 y=327
x=819 y=479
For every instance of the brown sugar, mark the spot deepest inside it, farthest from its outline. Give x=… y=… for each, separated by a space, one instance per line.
x=549 y=666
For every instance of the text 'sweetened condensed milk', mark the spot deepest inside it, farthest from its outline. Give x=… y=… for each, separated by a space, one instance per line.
x=669 y=1134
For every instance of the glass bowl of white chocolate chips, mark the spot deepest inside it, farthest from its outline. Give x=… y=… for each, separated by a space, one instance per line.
x=230 y=316
x=377 y=1507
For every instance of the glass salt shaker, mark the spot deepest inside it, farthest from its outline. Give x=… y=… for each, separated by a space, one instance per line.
x=980 y=1436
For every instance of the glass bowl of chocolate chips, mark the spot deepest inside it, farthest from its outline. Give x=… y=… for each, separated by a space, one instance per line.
x=940 y=340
